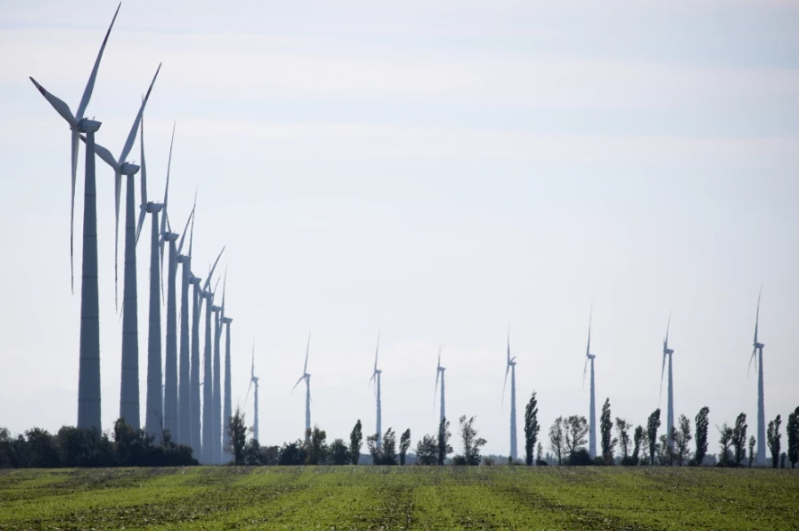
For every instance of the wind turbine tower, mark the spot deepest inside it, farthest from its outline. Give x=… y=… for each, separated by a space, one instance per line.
x=89 y=362
x=184 y=382
x=194 y=382
x=207 y=422
x=228 y=406
x=129 y=391
x=510 y=366
x=592 y=413
x=757 y=356
x=440 y=372
x=253 y=381
x=216 y=395
x=307 y=377
x=667 y=352
x=376 y=378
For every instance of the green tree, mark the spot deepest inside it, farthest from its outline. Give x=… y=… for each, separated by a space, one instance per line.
x=427 y=451
x=682 y=438
x=236 y=437
x=531 y=428
x=405 y=443
x=316 y=447
x=725 y=443
x=356 y=441
x=739 y=439
x=623 y=431
x=339 y=453
x=575 y=429
x=471 y=443
x=652 y=425
x=700 y=430
x=444 y=449
x=388 y=448
x=752 y=443
x=606 y=428
x=556 y=439
x=773 y=437
x=793 y=437
x=638 y=438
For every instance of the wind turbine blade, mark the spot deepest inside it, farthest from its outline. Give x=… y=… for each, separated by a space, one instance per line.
x=298 y=383
x=507 y=370
x=252 y=370
x=185 y=229
x=142 y=215
x=435 y=390
x=117 y=192
x=248 y=393
x=757 y=315
x=191 y=237
x=508 y=346
x=132 y=134
x=224 y=288
x=307 y=350
x=58 y=104
x=104 y=154
x=588 y=346
x=211 y=273
x=143 y=212
x=662 y=371
x=166 y=201
x=668 y=325
x=87 y=93
x=752 y=358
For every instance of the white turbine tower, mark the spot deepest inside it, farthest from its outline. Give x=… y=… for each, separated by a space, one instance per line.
x=510 y=366
x=216 y=395
x=440 y=372
x=184 y=382
x=376 y=378
x=757 y=356
x=89 y=360
x=129 y=391
x=307 y=377
x=207 y=421
x=194 y=378
x=253 y=381
x=667 y=352
x=592 y=413
x=154 y=415
x=228 y=406
x=171 y=411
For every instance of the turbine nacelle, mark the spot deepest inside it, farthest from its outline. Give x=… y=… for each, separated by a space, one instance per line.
x=227 y=320
x=184 y=259
x=86 y=125
x=668 y=351
x=152 y=207
x=128 y=168
x=590 y=356
x=171 y=236
x=195 y=280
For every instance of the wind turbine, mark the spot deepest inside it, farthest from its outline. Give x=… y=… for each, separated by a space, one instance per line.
x=216 y=396
x=667 y=352
x=228 y=407
x=510 y=366
x=171 y=419
x=184 y=389
x=307 y=377
x=440 y=372
x=129 y=392
x=196 y=430
x=376 y=378
x=757 y=356
x=253 y=380
x=89 y=361
x=154 y=417
x=592 y=413
x=207 y=423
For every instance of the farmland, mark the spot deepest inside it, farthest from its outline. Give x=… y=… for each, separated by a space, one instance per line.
x=411 y=497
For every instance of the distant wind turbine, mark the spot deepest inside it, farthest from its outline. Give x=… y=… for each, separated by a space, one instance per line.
x=376 y=378
x=216 y=395
x=194 y=378
x=207 y=422
x=228 y=406
x=757 y=356
x=510 y=366
x=592 y=413
x=667 y=352
x=440 y=372
x=89 y=359
x=154 y=416
x=171 y=412
x=184 y=382
x=129 y=391
x=307 y=377
x=253 y=381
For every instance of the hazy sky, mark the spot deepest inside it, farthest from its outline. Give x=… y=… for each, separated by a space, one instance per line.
x=438 y=171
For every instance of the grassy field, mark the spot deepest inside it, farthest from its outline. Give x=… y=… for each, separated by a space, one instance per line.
x=399 y=498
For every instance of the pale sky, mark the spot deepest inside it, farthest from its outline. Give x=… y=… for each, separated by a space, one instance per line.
x=438 y=170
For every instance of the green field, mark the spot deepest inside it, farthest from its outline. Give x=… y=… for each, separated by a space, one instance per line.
x=411 y=497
